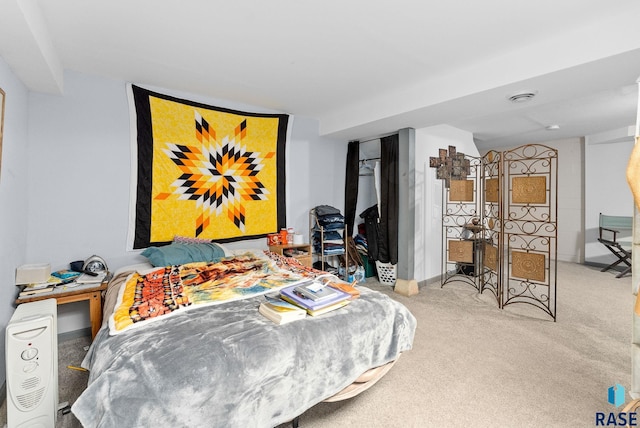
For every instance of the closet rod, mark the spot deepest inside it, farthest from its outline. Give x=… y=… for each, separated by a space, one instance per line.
x=365 y=160
x=377 y=138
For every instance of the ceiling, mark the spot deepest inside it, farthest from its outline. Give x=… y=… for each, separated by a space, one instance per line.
x=362 y=68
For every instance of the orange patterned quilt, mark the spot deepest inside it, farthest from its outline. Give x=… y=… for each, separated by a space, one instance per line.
x=171 y=289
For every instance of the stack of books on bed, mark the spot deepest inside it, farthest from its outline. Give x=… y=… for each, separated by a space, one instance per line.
x=316 y=297
x=280 y=311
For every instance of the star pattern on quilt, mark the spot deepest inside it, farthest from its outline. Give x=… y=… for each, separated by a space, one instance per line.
x=221 y=176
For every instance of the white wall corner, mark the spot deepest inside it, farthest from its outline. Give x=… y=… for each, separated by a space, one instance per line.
x=612 y=136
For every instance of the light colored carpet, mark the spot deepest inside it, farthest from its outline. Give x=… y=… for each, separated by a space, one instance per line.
x=475 y=365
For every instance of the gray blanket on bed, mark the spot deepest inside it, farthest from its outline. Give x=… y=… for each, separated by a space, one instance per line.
x=228 y=366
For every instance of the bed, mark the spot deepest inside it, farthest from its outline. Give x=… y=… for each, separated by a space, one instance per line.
x=225 y=365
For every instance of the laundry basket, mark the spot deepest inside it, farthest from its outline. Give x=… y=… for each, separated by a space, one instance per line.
x=386 y=273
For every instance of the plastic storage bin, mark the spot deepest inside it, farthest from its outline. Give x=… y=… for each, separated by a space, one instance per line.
x=369 y=266
x=386 y=273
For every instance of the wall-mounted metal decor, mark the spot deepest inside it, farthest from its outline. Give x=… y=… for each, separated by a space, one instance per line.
x=450 y=165
x=503 y=237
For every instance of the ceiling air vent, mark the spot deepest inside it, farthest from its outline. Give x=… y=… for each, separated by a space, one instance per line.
x=522 y=96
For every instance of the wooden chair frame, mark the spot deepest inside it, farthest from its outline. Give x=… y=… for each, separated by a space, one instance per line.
x=610 y=229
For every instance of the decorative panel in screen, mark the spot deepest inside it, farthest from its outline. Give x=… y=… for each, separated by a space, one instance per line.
x=461 y=190
x=529 y=190
x=529 y=266
x=461 y=251
x=491 y=257
x=491 y=190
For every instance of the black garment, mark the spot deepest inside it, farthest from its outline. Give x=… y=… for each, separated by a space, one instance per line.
x=372 y=231
x=352 y=178
x=389 y=204
x=326 y=209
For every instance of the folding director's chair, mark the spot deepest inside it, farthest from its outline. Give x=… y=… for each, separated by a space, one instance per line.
x=615 y=234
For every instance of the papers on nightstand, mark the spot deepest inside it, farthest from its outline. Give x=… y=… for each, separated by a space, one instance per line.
x=31 y=291
x=52 y=291
x=86 y=278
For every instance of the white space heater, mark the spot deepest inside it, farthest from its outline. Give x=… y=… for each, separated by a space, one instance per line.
x=31 y=346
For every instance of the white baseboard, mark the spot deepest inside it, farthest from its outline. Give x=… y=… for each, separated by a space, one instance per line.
x=3 y=392
x=70 y=335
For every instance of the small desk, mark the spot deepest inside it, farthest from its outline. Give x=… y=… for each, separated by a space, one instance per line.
x=90 y=292
x=304 y=250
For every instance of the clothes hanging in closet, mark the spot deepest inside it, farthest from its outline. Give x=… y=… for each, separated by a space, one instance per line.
x=352 y=177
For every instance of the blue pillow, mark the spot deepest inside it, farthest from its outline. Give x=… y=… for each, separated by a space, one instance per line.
x=179 y=254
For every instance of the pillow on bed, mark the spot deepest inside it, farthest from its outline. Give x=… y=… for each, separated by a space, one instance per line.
x=179 y=254
x=188 y=240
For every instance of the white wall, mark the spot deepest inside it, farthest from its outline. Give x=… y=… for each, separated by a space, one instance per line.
x=79 y=152
x=428 y=205
x=570 y=198
x=315 y=173
x=570 y=234
x=428 y=244
x=14 y=173
x=571 y=194
x=606 y=189
x=367 y=197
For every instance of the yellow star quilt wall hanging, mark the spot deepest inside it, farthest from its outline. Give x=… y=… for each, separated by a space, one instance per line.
x=204 y=172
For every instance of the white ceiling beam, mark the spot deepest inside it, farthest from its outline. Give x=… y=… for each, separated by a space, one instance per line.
x=581 y=46
x=34 y=59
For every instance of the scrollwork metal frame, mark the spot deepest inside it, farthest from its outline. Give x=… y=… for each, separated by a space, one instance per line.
x=456 y=216
x=531 y=228
x=513 y=220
